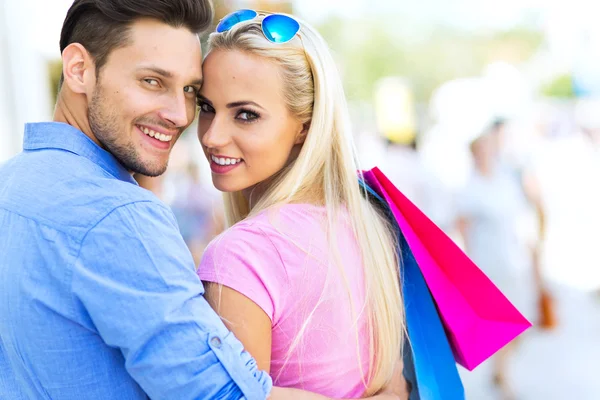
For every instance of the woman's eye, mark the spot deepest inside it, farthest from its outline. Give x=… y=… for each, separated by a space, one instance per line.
x=247 y=116
x=205 y=107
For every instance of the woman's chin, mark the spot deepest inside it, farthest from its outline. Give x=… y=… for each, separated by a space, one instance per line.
x=224 y=187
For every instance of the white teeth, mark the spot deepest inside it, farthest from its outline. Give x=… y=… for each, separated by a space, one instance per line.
x=159 y=136
x=225 y=161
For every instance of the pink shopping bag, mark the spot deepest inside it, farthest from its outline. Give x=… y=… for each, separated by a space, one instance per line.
x=479 y=320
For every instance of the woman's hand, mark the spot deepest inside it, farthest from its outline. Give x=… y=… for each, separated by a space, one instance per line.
x=398 y=388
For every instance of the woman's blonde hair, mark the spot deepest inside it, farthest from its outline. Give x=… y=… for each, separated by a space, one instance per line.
x=325 y=173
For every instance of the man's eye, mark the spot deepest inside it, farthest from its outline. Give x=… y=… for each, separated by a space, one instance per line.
x=151 y=81
x=190 y=89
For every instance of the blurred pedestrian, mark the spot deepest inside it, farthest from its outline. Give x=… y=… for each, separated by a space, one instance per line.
x=491 y=209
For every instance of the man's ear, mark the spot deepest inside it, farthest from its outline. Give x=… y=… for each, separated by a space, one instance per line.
x=301 y=136
x=79 y=70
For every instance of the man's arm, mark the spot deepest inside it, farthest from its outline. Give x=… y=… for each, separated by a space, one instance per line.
x=136 y=280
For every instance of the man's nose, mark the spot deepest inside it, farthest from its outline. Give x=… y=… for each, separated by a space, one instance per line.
x=177 y=111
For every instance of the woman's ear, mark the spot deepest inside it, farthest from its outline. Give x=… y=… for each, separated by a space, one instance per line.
x=78 y=68
x=301 y=136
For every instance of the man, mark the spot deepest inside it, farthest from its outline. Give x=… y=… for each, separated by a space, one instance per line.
x=98 y=294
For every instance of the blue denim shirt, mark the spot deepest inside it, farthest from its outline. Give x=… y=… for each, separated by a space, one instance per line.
x=98 y=294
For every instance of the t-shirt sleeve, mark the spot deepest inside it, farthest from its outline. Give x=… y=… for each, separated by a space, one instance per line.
x=244 y=259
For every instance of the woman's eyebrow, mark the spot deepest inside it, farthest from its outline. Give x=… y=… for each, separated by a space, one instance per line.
x=244 y=103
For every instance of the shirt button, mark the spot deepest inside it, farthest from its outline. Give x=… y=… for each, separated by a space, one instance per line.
x=216 y=342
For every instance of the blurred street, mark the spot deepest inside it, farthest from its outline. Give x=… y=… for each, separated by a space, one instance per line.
x=563 y=363
x=557 y=365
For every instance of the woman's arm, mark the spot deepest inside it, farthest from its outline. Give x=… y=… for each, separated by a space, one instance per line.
x=397 y=389
x=297 y=394
x=248 y=322
x=251 y=325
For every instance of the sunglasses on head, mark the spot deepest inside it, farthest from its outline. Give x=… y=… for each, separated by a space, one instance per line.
x=277 y=28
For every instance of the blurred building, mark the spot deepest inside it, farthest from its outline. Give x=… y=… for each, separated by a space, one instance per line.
x=7 y=110
x=25 y=95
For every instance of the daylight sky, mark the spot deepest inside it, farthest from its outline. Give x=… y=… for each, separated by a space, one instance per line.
x=42 y=19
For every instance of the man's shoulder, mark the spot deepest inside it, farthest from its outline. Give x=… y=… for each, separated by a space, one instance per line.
x=69 y=193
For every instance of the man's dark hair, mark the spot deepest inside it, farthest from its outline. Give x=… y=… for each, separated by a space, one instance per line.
x=102 y=26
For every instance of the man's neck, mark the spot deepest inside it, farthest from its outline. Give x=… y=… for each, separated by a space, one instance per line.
x=76 y=116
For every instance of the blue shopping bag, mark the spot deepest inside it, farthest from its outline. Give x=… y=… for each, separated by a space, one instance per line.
x=428 y=359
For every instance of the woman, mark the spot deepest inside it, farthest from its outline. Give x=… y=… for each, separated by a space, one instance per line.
x=306 y=276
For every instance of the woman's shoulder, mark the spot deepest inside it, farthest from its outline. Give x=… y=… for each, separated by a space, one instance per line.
x=246 y=234
x=246 y=247
x=284 y=231
x=259 y=231
x=284 y=218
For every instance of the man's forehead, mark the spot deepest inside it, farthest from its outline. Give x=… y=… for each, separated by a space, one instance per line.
x=145 y=30
x=174 y=52
x=152 y=35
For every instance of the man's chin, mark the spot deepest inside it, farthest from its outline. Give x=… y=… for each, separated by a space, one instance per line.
x=151 y=170
x=152 y=173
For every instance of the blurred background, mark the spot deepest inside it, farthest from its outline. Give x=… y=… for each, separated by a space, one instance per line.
x=486 y=114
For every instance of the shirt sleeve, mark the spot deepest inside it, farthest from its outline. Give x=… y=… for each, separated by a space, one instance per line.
x=245 y=259
x=135 y=278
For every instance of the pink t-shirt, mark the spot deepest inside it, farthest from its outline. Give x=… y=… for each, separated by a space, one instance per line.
x=280 y=259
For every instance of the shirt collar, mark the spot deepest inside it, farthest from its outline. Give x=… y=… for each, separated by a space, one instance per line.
x=57 y=135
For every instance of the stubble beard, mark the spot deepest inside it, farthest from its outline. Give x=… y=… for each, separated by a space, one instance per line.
x=104 y=123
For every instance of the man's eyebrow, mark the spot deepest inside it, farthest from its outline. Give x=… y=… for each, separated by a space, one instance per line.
x=157 y=70
x=167 y=74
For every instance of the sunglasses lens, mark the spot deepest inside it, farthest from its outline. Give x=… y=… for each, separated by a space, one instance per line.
x=234 y=18
x=280 y=28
